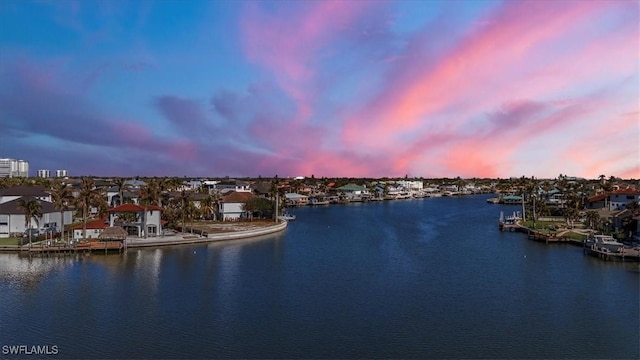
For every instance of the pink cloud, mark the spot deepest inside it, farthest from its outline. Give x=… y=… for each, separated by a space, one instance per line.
x=289 y=42
x=491 y=66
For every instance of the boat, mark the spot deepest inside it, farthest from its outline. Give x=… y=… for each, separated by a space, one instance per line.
x=287 y=217
x=607 y=248
x=509 y=223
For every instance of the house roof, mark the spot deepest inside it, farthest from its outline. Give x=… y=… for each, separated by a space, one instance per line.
x=624 y=192
x=237 y=197
x=512 y=197
x=352 y=187
x=113 y=233
x=11 y=207
x=263 y=187
x=134 y=208
x=135 y=183
x=294 y=196
x=23 y=190
x=92 y=225
x=596 y=198
x=600 y=197
x=198 y=196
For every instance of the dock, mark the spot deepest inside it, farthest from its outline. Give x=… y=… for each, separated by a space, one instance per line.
x=88 y=247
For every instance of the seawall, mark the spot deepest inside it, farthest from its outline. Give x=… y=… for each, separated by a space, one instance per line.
x=180 y=240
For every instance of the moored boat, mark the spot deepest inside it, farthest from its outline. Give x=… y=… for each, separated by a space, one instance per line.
x=287 y=217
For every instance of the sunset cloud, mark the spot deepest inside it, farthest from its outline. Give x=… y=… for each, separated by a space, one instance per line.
x=330 y=88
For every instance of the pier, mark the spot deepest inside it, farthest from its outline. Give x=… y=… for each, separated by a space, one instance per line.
x=88 y=247
x=600 y=246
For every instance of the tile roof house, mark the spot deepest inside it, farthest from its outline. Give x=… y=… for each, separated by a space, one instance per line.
x=231 y=207
x=294 y=199
x=94 y=229
x=613 y=200
x=147 y=219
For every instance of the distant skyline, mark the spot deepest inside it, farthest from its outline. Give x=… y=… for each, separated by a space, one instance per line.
x=326 y=88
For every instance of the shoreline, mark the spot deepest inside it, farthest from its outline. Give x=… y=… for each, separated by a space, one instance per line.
x=172 y=240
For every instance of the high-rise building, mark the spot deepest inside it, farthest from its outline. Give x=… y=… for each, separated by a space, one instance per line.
x=61 y=173
x=14 y=168
x=43 y=173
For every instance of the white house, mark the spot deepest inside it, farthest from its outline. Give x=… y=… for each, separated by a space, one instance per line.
x=12 y=218
x=231 y=207
x=614 y=200
x=237 y=186
x=411 y=185
x=295 y=199
x=617 y=200
x=137 y=220
x=94 y=229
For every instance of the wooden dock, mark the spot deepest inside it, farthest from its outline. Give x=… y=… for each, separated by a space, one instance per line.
x=621 y=254
x=88 y=247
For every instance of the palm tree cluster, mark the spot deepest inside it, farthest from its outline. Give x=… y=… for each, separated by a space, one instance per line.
x=32 y=212
x=62 y=199
x=90 y=197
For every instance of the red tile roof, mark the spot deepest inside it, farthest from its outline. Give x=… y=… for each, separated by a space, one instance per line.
x=134 y=208
x=625 y=192
x=596 y=198
x=237 y=197
x=600 y=197
x=94 y=224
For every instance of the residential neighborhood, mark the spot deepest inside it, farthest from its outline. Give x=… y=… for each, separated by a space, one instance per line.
x=81 y=208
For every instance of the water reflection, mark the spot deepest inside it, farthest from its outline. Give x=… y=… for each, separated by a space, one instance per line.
x=18 y=271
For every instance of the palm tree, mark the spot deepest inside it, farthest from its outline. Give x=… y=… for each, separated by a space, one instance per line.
x=185 y=202
x=592 y=219
x=571 y=206
x=89 y=196
x=460 y=183
x=119 y=182
x=207 y=206
x=32 y=211
x=151 y=193
x=62 y=196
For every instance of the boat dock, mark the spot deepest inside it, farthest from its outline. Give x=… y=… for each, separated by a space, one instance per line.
x=89 y=247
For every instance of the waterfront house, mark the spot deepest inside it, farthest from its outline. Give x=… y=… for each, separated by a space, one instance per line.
x=231 y=207
x=293 y=199
x=137 y=220
x=512 y=200
x=614 y=200
x=354 y=192
x=94 y=229
x=12 y=218
x=417 y=185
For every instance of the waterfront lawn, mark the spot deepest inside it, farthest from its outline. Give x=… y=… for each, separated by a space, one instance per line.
x=574 y=236
x=545 y=227
x=12 y=241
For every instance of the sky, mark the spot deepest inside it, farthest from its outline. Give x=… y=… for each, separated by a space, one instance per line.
x=325 y=88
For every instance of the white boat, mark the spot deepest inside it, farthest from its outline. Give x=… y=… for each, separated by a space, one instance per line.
x=287 y=216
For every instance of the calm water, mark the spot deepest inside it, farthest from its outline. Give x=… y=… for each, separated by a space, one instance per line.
x=430 y=278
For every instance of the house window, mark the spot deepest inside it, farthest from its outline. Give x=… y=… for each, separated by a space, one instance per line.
x=630 y=197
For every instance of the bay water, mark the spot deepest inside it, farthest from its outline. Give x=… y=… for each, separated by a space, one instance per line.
x=426 y=278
